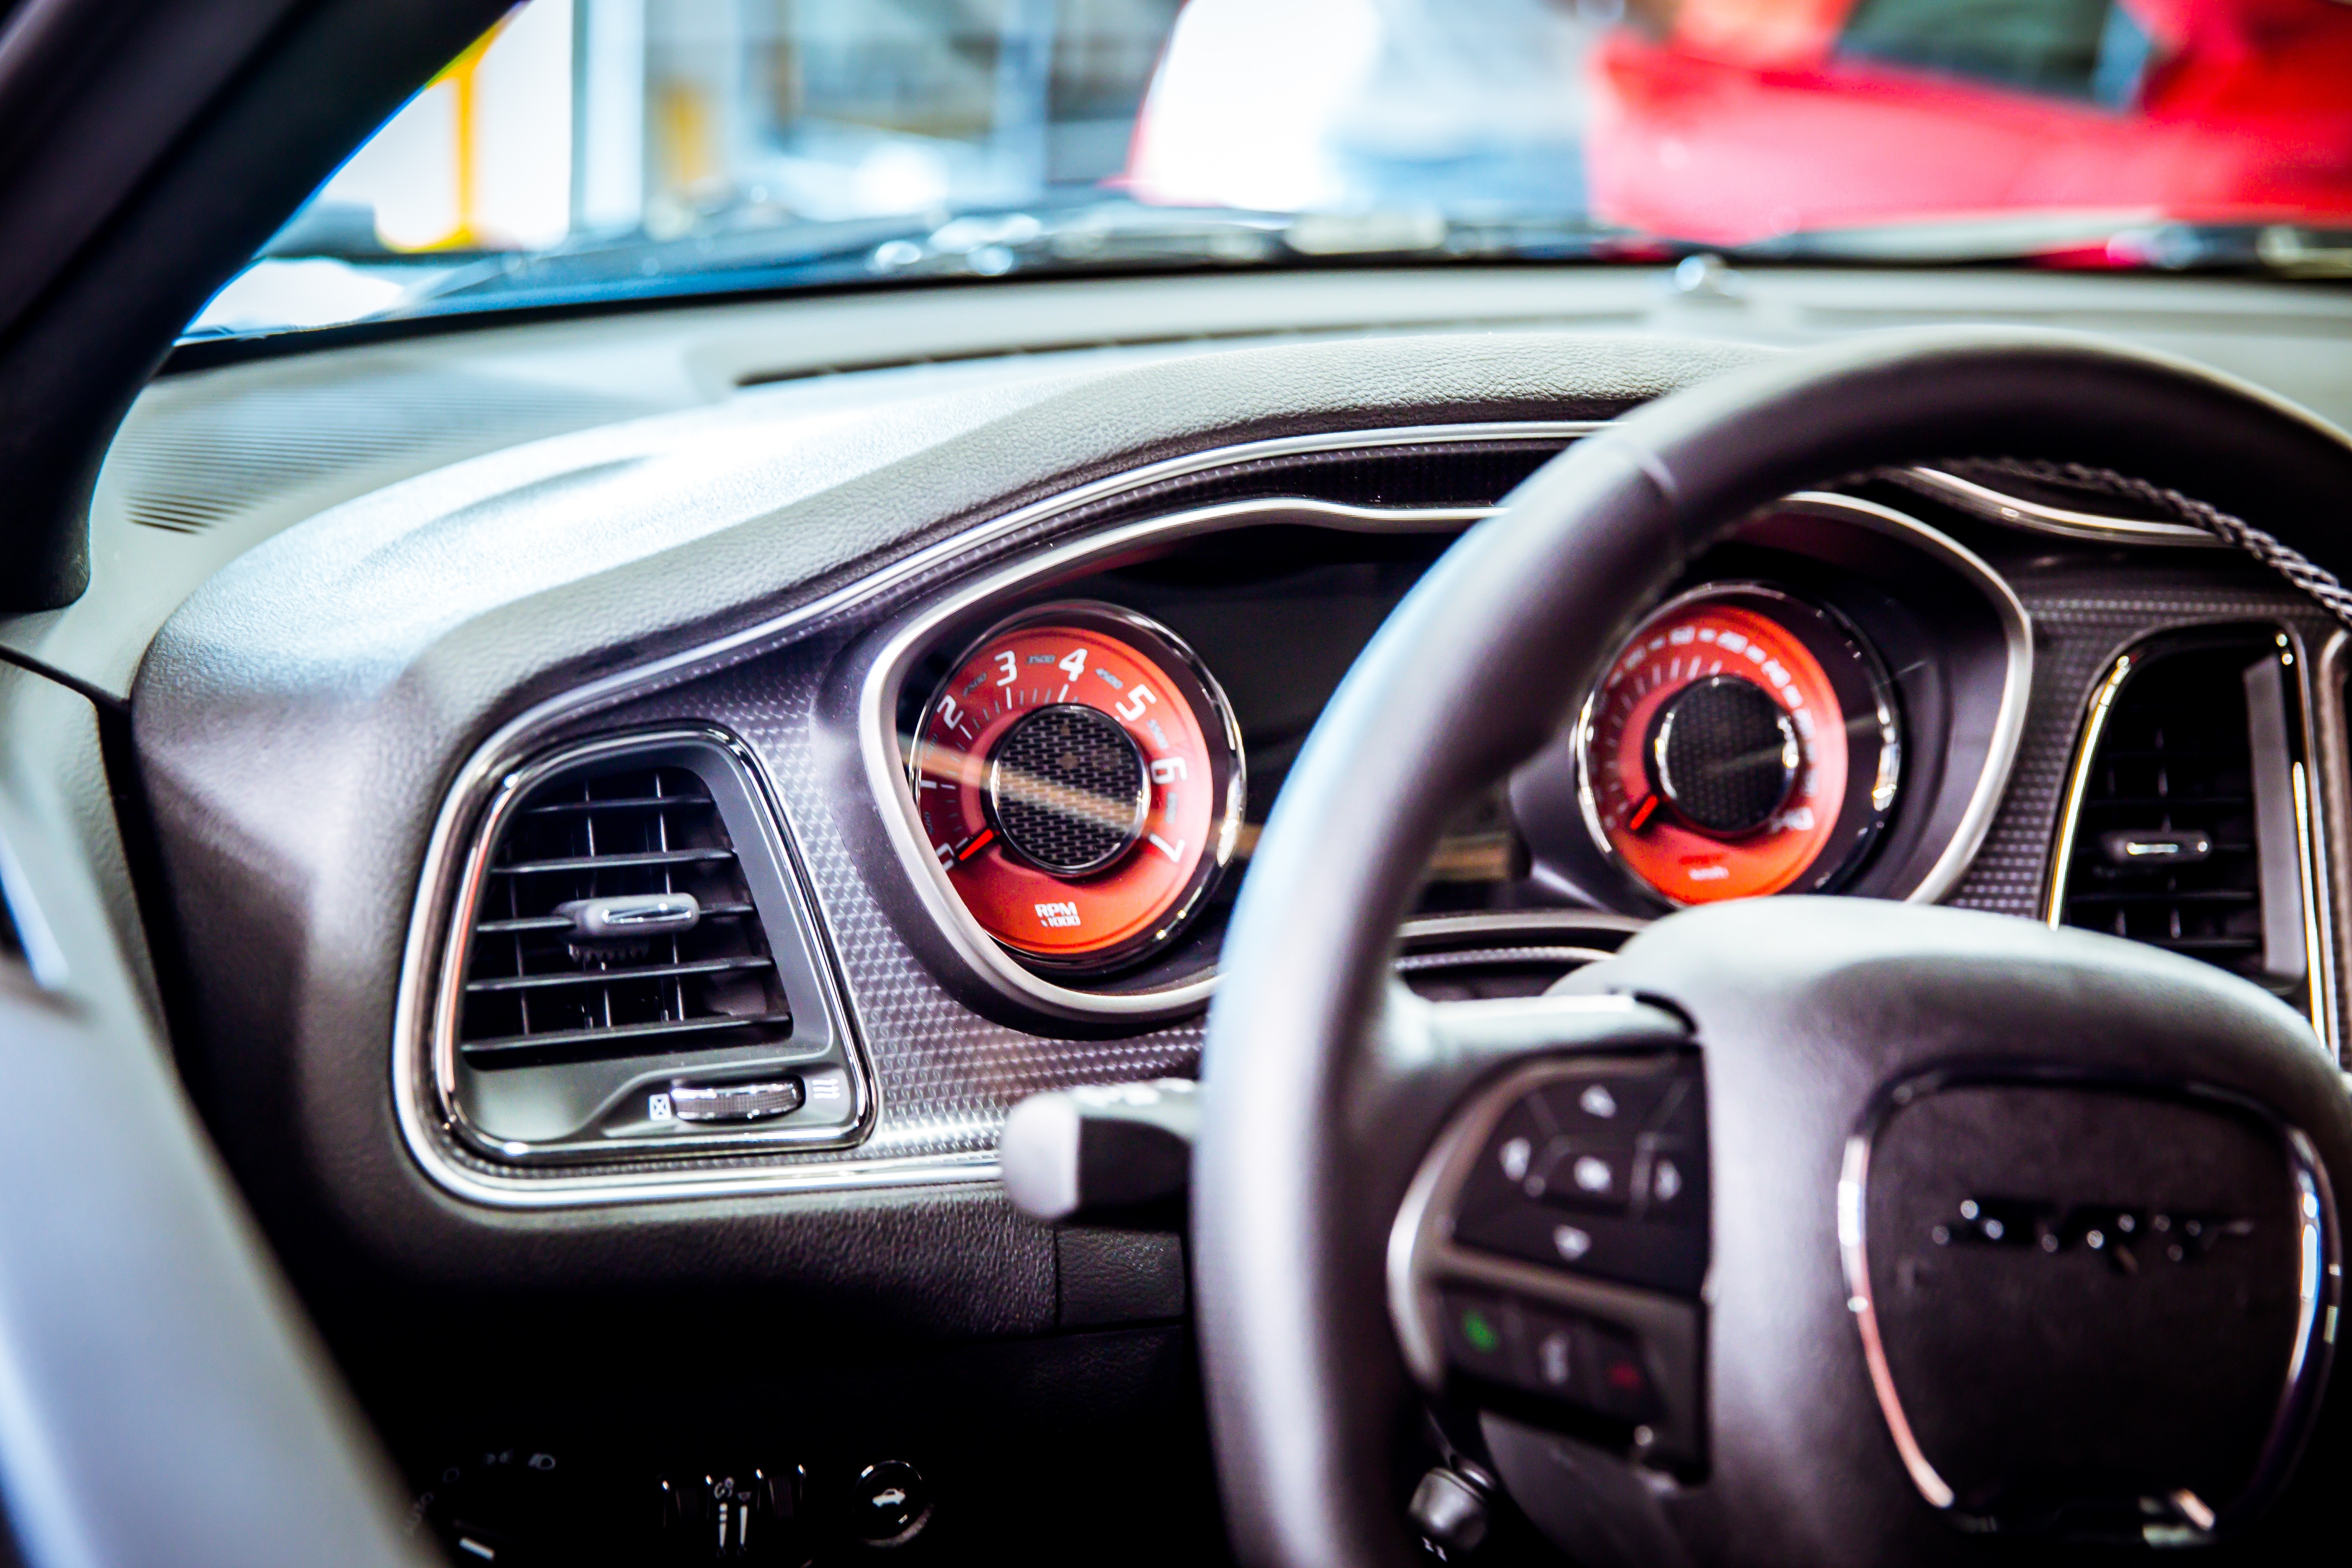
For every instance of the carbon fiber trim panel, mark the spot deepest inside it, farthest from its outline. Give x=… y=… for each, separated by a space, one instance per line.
x=2080 y=626
x=946 y=1074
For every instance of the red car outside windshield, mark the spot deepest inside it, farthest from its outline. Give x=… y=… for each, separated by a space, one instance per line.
x=1751 y=118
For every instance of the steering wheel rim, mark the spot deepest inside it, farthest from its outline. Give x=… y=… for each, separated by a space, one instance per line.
x=1291 y=1214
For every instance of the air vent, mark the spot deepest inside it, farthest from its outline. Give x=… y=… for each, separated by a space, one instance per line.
x=615 y=914
x=2187 y=827
x=635 y=969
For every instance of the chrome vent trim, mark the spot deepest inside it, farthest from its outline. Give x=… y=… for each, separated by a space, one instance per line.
x=557 y=1041
x=2188 y=820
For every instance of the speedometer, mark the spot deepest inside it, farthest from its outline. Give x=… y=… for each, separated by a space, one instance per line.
x=1742 y=741
x=1080 y=777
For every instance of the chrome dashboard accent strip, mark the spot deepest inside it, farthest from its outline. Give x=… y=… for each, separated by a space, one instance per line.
x=2017 y=677
x=2078 y=782
x=1979 y=500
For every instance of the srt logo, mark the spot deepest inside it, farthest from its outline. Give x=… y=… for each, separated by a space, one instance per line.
x=2123 y=1237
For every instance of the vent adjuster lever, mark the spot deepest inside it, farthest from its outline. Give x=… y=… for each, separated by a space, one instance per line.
x=2132 y=846
x=632 y=917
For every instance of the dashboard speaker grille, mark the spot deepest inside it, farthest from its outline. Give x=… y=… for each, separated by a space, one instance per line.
x=2186 y=828
x=541 y=987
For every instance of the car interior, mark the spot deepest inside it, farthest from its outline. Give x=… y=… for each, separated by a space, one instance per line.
x=1294 y=848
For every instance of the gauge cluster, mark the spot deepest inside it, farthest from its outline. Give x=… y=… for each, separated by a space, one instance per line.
x=1076 y=752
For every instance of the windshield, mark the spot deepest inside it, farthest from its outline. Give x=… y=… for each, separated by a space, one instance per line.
x=590 y=150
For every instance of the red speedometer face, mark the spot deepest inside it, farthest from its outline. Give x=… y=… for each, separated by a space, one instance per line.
x=1079 y=777
x=1738 y=745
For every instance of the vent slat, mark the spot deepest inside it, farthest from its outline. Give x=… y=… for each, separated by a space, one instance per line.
x=619 y=977
x=623 y=803
x=613 y=862
x=558 y=1039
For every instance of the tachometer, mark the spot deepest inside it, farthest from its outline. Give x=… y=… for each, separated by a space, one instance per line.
x=1742 y=741
x=1080 y=775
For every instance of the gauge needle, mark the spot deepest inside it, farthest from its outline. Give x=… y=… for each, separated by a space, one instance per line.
x=1639 y=817
x=974 y=844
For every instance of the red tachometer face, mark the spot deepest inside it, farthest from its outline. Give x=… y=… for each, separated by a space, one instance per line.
x=1716 y=756
x=1079 y=777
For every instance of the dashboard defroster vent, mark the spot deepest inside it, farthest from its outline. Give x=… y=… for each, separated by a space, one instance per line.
x=633 y=945
x=2188 y=823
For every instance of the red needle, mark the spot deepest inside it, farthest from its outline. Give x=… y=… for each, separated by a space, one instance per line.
x=978 y=842
x=1642 y=813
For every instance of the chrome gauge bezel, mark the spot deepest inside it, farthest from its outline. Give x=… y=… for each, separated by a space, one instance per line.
x=1863 y=816
x=1212 y=710
x=967 y=953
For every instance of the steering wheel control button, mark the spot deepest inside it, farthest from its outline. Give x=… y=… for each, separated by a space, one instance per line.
x=1723 y=755
x=1610 y=1113
x=1572 y=1175
x=1604 y=1174
x=1548 y=1261
x=1563 y=1356
x=1617 y=1382
x=1479 y=1332
x=889 y=1503
x=1556 y=1355
x=1669 y=1257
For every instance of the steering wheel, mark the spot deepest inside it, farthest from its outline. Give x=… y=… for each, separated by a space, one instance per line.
x=1982 y=1237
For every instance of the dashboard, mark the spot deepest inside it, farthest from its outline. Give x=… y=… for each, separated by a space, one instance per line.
x=987 y=810
x=625 y=859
